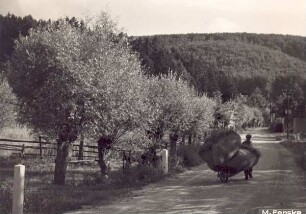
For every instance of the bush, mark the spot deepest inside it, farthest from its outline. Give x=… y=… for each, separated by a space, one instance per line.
x=134 y=176
x=277 y=127
x=190 y=155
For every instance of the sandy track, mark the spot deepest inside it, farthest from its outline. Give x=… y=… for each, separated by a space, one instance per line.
x=277 y=183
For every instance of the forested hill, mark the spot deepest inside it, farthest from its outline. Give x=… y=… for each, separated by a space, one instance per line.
x=229 y=63
x=292 y=45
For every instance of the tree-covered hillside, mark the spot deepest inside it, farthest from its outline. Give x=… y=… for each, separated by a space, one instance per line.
x=292 y=45
x=229 y=63
x=11 y=27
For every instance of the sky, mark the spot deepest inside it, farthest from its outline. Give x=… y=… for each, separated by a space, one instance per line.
x=149 y=17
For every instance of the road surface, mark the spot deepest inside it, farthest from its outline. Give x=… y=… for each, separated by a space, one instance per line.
x=278 y=183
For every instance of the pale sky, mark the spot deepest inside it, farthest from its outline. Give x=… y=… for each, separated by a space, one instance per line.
x=148 y=17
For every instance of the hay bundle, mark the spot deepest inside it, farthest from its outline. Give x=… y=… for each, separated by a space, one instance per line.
x=243 y=160
x=224 y=148
x=220 y=147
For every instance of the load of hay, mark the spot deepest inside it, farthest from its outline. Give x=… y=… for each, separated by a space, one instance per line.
x=224 y=148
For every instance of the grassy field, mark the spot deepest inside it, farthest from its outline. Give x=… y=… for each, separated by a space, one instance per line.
x=84 y=186
x=16 y=132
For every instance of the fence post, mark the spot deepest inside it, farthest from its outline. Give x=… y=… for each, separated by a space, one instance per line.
x=128 y=161
x=22 y=150
x=164 y=155
x=18 y=194
x=123 y=160
x=40 y=147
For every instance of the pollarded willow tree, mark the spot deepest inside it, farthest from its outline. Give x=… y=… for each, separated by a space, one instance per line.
x=166 y=97
x=45 y=72
x=176 y=108
x=200 y=116
x=118 y=95
x=71 y=81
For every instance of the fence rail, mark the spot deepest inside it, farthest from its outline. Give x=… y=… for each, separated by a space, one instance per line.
x=43 y=148
x=23 y=141
x=80 y=151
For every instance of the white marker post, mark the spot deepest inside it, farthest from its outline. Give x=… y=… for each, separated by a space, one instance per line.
x=18 y=195
x=164 y=155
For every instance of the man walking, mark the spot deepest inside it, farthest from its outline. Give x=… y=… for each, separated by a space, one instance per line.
x=247 y=143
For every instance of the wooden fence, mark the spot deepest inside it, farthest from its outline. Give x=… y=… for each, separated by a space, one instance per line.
x=42 y=149
x=81 y=152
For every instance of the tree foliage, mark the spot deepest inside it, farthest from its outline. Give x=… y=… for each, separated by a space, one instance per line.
x=72 y=80
x=7 y=103
x=41 y=76
x=255 y=65
x=239 y=112
x=176 y=107
x=115 y=82
x=233 y=67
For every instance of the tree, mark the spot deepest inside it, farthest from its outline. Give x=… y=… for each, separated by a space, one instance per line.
x=287 y=93
x=238 y=111
x=167 y=97
x=46 y=76
x=7 y=100
x=117 y=98
x=200 y=115
x=228 y=88
x=257 y=99
x=175 y=108
x=71 y=81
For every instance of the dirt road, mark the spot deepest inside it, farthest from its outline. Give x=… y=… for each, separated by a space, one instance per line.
x=277 y=183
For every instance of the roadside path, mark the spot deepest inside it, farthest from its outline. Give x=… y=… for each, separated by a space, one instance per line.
x=278 y=183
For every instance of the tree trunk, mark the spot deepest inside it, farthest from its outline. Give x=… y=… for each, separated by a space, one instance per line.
x=205 y=136
x=194 y=140
x=183 y=138
x=66 y=136
x=61 y=162
x=81 y=149
x=173 y=150
x=189 y=139
x=103 y=145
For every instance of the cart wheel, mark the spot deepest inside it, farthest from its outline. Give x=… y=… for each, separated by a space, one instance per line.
x=224 y=177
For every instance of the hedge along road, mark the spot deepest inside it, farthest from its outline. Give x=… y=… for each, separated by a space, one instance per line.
x=278 y=183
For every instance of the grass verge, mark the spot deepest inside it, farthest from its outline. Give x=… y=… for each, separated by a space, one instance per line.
x=84 y=185
x=299 y=151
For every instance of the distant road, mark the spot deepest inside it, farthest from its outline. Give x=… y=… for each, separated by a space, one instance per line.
x=278 y=183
